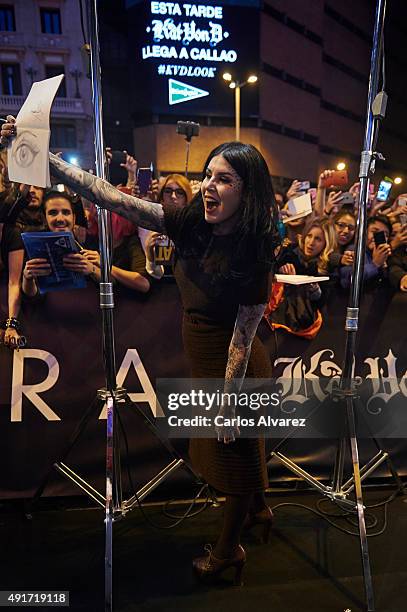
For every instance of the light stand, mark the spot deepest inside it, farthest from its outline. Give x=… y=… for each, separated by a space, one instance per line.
x=346 y=393
x=112 y=395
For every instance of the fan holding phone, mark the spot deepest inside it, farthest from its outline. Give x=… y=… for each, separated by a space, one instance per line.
x=377 y=253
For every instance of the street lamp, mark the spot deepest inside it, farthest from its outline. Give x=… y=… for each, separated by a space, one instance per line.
x=237 y=86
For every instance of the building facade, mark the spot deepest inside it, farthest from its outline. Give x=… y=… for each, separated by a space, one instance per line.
x=313 y=61
x=313 y=70
x=40 y=39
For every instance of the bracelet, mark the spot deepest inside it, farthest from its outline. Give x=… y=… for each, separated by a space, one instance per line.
x=13 y=323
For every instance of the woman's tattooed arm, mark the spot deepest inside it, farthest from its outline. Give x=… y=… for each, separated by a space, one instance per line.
x=143 y=213
x=247 y=322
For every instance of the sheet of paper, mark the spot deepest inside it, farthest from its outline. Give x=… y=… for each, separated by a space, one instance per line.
x=299 y=279
x=299 y=207
x=28 y=152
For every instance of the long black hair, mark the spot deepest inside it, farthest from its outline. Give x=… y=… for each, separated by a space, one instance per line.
x=257 y=223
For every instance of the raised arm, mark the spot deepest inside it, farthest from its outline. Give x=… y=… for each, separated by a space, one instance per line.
x=247 y=322
x=95 y=189
x=102 y=193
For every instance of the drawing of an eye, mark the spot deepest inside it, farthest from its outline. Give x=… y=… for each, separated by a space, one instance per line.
x=25 y=150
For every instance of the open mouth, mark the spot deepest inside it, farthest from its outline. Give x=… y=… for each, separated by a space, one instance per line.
x=211 y=204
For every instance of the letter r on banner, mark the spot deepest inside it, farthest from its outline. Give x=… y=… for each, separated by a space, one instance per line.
x=32 y=391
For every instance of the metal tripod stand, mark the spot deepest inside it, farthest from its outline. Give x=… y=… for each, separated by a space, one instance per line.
x=112 y=396
x=339 y=490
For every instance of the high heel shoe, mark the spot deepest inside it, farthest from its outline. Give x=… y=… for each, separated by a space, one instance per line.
x=264 y=517
x=209 y=567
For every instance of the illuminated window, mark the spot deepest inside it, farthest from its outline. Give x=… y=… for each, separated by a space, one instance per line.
x=54 y=70
x=7 y=20
x=11 y=79
x=51 y=21
x=63 y=136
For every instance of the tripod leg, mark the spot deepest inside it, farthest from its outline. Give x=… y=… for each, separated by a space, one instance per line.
x=392 y=469
x=109 y=504
x=339 y=465
x=72 y=441
x=367 y=574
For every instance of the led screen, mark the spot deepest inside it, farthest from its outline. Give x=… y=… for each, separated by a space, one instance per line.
x=180 y=50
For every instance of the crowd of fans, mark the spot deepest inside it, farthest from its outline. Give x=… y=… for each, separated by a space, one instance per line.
x=318 y=244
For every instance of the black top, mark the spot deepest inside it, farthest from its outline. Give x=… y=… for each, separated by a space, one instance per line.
x=10 y=241
x=212 y=282
x=397 y=265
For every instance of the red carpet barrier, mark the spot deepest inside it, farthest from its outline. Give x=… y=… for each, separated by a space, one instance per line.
x=46 y=387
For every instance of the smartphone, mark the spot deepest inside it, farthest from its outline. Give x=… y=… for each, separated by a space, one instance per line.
x=402 y=202
x=144 y=178
x=118 y=157
x=384 y=190
x=347 y=199
x=338 y=178
x=304 y=186
x=403 y=219
x=380 y=237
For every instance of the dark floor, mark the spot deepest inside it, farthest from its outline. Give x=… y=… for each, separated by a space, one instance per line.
x=307 y=565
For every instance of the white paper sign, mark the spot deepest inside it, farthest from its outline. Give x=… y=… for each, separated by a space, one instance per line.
x=28 y=152
x=299 y=207
x=299 y=279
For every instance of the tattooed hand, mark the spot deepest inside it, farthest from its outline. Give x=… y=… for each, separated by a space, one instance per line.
x=226 y=425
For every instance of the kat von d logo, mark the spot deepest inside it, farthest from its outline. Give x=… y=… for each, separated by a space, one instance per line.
x=298 y=382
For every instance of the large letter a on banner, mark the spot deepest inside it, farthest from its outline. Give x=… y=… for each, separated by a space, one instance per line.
x=148 y=394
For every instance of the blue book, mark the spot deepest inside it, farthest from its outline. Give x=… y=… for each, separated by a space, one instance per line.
x=53 y=246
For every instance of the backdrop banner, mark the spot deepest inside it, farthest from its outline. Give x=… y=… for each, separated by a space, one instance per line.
x=46 y=387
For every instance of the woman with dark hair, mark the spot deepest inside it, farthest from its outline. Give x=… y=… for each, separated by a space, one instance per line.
x=225 y=242
x=344 y=224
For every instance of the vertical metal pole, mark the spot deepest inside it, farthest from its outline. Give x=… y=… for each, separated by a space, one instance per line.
x=352 y=317
x=106 y=290
x=352 y=314
x=237 y=112
x=106 y=304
